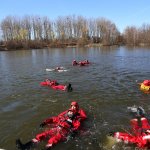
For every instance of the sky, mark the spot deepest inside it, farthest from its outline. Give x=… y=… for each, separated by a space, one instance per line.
x=121 y=12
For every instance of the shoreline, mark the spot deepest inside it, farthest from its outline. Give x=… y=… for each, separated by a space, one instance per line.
x=3 y=48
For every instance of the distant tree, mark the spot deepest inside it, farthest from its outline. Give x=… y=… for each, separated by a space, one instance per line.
x=27 y=27
x=37 y=28
x=144 y=34
x=106 y=31
x=48 y=33
x=131 y=35
x=35 y=31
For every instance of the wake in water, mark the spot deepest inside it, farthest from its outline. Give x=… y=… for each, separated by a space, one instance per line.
x=57 y=69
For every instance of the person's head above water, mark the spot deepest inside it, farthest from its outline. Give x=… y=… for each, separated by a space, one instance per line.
x=69 y=87
x=74 y=106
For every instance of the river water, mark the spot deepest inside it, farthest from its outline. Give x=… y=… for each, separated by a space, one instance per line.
x=104 y=89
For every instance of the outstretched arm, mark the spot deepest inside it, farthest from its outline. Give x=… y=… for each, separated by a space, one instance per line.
x=49 y=121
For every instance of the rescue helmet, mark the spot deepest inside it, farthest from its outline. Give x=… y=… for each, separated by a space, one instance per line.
x=74 y=103
x=146 y=82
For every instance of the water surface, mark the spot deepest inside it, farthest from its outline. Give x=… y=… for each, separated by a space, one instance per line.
x=103 y=89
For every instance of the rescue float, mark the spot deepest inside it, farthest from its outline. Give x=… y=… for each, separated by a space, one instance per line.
x=145 y=85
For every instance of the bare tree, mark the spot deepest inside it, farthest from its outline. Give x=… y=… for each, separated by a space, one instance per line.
x=27 y=27
x=131 y=35
x=144 y=34
x=68 y=29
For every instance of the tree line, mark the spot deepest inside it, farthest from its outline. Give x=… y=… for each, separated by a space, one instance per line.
x=38 y=32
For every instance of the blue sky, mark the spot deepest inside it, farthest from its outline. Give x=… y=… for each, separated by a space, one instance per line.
x=122 y=12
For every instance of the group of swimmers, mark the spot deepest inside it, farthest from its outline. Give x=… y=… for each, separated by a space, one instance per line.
x=140 y=127
x=68 y=123
x=55 y=85
x=80 y=63
x=140 y=130
x=65 y=124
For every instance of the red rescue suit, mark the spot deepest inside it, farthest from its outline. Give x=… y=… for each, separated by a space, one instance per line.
x=74 y=63
x=54 y=85
x=80 y=114
x=82 y=63
x=59 y=87
x=49 y=83
x=63 y=125
x=140 y=135
x=86 y=62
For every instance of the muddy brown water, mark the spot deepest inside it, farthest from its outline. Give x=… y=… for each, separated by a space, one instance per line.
x=104 y=89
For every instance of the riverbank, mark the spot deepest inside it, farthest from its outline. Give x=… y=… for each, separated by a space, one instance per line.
x=64 y=45
x=4 y=48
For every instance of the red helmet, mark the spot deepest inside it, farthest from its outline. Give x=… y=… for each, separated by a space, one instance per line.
x=146 y=82
x=75 y=104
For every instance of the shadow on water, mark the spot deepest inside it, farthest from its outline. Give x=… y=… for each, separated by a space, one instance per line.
x=103 y=89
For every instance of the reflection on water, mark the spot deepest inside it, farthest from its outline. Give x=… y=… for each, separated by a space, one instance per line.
x=104 y=89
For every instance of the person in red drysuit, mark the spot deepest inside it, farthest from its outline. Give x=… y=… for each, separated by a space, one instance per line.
x=74 y=63
x=81 y=63
x=79 y=113
x=86 y=61
x=61 y=87
x=140 y=135
x=51 y=82
x=56 y=86
x=64 y=124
